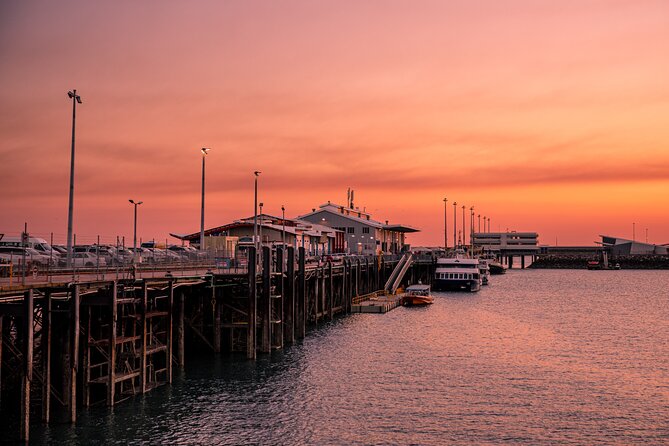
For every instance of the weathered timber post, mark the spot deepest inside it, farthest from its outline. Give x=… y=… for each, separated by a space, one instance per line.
x=111 y=383
x=289 y=298
x=142 y=358
x=181 y=330
x=279 y=302
x=74 y=353
x=300 y=314
x=377 y=273
x=357 y=277
x=46 y=355
x=1 y=328
x=266 y=302
x=368 y=277
x=216 y=309
x=330 y=291
x=251 y=332
x=27 y=372
x=85 y=387
x=318 y=292
x=345 y=286
x=170 y=305
x=522 y=262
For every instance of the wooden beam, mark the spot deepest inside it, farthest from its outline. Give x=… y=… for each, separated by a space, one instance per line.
x=1 y=330
x=300 y=313
x=330 y=290
x=216 y=308
x=181 y=327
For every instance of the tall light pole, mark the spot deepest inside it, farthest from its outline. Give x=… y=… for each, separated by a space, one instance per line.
x=255 y=215
x=464 y=228
x=76 y=99
x=479 y=223
x=204 y=151
x=455 y=224
x=445 y=225
x=471 y=226
x=260 y=226
x=134 y=232
x=484 y=220
x=283 y=229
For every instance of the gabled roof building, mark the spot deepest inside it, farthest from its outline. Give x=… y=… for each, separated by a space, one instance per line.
x=362 y=234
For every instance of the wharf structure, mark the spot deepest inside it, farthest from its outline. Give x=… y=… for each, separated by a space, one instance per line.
x=67 y=346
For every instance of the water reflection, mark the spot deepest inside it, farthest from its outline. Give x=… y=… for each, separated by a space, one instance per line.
x=540 y=357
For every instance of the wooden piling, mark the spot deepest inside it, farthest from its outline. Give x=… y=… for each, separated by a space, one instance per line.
x=279 y=301
x=330 y=291
x=1 y=332
x=46 y=356
x=111 y=378
x=27 y=372
x=251 y=332
x=300 y=313
x=216 y=308
x=266 y=303
x=74 y=353
x=181 y=330
x=170 y=307
x=289 y=298
x=142 y=359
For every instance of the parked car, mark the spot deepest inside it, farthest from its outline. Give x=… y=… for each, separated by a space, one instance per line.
x=87 y=260
x=15 y=254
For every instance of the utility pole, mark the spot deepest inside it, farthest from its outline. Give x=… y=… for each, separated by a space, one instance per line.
x=76 y=99
x=445 y=225
x=204 y=151
x=455 y=224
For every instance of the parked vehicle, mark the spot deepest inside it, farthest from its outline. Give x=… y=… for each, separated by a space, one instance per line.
x=15 y=254
x=38 y=244
x=87 y=260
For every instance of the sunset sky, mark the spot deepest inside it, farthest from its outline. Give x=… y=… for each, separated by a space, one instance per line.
x=548 y=116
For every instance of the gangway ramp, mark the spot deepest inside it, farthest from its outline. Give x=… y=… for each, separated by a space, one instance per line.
x=398 y=273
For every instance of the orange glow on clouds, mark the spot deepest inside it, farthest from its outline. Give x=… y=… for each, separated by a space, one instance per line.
x=546 y=116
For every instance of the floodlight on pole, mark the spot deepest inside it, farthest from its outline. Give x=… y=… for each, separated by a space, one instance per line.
x=76 y=99
x=455 y=224
x=204 y=151
x=255 y=214
x=134 y=236
x=445 y=225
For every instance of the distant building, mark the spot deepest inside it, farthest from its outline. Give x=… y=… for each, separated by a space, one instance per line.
x=362 y=234
x=624 y=247
x=508 y=243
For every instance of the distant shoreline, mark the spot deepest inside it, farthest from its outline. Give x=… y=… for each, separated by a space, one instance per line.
x=581 y=262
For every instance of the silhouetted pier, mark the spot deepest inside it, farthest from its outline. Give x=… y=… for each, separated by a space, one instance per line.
x=72 y=345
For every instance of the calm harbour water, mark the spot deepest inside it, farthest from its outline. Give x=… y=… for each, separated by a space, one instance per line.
x=537 y=357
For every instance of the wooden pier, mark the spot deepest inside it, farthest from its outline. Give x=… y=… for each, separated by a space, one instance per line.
x=72 y=345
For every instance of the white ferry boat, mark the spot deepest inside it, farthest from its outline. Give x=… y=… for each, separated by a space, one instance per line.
x=457 y=273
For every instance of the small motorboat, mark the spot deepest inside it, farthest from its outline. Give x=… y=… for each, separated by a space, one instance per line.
x=417 y=295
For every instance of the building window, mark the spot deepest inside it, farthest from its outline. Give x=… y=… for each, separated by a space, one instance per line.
x=365 y=230
x=351 y=230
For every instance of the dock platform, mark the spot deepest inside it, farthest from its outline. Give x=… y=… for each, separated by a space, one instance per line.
x=377 y=304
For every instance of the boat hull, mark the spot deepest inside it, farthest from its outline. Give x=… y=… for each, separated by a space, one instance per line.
x=456 y=285
x=415 y=301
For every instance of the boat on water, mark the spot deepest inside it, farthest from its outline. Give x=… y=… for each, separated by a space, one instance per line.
x=484 y=271
x=496 y=267
x=457 y=273
x=417 y=295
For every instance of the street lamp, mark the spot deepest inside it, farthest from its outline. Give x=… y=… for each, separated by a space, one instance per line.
x=445 y=225
x=464 y=229
x=479 y=223
x=260 y=226
x=204 y=151
x=471 y=226
x=76 y=99
x=255 y=215
x=134 y=236
x=455 y=224
x=283 y=228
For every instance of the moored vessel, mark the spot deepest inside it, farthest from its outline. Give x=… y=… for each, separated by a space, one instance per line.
x=457 y=273
x=418 y=295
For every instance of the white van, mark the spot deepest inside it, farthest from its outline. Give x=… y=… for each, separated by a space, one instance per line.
x=38 y=244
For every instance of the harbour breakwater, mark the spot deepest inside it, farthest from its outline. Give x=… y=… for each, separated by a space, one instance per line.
x=581 y=262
